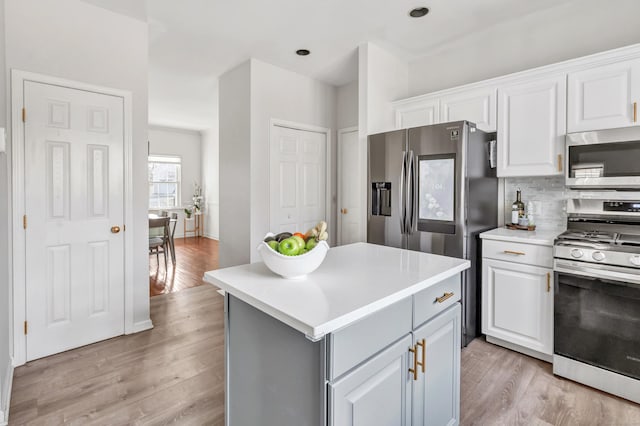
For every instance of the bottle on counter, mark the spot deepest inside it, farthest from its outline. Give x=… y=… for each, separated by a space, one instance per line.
x=517 y=209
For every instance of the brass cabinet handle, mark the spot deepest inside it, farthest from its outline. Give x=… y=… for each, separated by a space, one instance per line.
x=344 y=211
x=559 y=162
x=635 y=112
x=423 y=343
x=115 y=229
x=517 y=253
x=548 y=282
x=444 y=297
x=414 y=370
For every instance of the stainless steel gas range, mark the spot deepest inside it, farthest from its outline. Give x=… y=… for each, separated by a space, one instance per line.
x=597 y=296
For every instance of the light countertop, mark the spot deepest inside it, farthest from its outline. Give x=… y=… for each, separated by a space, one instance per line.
x=541 y=238
x=354 y=281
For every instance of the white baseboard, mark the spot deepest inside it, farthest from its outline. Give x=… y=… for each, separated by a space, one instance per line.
x=141 y=326
x=521 y=349
x=5 y=395
x=211 y=237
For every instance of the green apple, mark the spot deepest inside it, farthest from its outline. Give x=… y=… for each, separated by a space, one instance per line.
x=289 y=247
x=273 y=244
x=300 y=241
x=303 y=251
x=311 y=243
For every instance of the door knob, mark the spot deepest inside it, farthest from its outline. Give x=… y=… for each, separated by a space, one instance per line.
x=115 y=229
x=343 y=211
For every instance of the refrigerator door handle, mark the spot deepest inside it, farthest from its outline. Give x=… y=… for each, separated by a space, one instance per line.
x=411 y=194
x=401 y=200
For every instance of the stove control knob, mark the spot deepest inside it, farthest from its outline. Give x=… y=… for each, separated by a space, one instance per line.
x=598 y=256
x=635 y=260
x=577 y=253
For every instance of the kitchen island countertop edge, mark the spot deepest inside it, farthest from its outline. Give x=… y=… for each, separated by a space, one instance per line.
x=354 y=281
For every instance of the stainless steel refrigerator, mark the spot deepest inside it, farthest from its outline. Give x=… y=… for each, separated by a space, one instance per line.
x=433 y=189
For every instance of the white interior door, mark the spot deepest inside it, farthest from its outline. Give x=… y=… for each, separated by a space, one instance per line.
x=74 y=195
x=349 y=188
x=298 y=179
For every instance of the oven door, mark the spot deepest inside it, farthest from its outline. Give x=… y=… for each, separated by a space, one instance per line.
x=597 y=316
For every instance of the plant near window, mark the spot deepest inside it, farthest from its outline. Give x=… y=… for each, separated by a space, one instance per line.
x=188 y=212
x=197 y=197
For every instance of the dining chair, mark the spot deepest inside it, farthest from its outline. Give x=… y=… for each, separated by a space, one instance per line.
x=172 y=246
x=159 y=243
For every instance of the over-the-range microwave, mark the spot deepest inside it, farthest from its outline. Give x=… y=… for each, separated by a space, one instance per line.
x=604 y=159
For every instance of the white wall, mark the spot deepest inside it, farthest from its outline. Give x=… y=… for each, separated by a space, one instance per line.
x=5 y=253
x=347 y=105
x=186 y=144
x=235 y=140
x=251 y=96
x=382 y=78
x=280 y=94
x=520 y=44
x=210 y=178
x=77 y=41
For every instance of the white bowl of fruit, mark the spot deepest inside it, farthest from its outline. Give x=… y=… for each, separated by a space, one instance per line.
x=294 y=256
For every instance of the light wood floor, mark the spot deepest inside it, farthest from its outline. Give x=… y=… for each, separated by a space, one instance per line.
x=174 y=374
x=194 y=257
x=502 y=387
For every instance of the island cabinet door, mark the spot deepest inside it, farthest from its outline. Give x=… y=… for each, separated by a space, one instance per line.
x=436 y=391
x=377 y=393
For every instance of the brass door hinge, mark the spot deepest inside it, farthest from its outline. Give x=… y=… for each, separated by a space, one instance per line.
x=26 y=327
x=24 y=115
x=124 y=228
x=24 y=221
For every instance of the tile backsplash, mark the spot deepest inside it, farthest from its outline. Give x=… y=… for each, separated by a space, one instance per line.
x=548 y=195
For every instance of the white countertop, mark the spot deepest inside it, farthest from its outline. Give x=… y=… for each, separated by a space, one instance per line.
x=541 y=238
x=354 y=281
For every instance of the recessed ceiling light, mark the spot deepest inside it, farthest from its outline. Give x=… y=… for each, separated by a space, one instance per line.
x=302 y=52
x=418 y=12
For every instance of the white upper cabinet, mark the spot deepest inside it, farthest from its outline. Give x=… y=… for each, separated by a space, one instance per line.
x=532 y=127
x=477 y=106
x=604 y=97
x=416 y=113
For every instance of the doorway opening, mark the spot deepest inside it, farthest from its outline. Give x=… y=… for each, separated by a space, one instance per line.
x=182 y=209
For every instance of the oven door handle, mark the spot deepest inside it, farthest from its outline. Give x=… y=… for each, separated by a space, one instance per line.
x=610 y=274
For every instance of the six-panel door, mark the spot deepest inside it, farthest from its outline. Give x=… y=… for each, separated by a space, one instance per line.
x=517 y=304
x=298 y=179
x=436 y=393
x=74 y=204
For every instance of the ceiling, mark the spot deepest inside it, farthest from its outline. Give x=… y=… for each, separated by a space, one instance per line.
x=192 y=42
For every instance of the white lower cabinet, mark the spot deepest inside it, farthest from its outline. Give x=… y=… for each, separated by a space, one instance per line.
x=384 y=390
x=436 y=393
x=517 y=304
x=376 y=393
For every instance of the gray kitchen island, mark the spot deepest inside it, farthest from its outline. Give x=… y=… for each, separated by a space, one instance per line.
x=372 y=337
